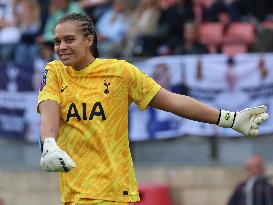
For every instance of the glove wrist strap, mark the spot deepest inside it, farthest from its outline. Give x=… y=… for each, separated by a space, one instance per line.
x=41 y=145
x=226 y=118
x=49 y=141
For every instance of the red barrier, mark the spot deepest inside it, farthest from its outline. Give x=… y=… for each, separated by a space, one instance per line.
x=154 y=195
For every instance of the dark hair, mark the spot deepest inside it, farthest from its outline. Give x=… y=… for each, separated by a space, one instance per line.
x=87 y=27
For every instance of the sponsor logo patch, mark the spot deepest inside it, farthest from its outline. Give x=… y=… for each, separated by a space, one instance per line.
x=43 y=83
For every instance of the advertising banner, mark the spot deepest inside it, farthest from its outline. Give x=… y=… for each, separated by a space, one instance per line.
x=229 y=83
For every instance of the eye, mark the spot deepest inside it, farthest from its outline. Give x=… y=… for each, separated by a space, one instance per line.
x=57 y=42
x=69 y=40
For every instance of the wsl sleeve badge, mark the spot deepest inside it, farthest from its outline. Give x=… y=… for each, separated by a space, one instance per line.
x=43 y=83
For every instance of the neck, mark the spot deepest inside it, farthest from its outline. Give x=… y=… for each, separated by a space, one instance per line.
x=83 y=65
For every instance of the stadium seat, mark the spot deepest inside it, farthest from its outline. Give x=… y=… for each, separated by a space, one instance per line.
x=240 y=32
x=154 y=195
x=233 y=49
x=211 y=35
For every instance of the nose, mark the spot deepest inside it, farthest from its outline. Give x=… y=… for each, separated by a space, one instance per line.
x=62 y=45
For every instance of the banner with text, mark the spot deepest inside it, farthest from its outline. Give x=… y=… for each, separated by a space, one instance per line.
x=217 y=80
x=229 y=83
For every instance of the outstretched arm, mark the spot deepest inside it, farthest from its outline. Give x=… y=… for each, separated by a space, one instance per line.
x=246 y=121
x=184 y=106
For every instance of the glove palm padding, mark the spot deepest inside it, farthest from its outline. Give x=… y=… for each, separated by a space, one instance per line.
x=54 y=159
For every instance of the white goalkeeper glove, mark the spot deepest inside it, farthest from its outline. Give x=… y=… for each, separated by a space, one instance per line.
x=246 y=121
x=54 y=159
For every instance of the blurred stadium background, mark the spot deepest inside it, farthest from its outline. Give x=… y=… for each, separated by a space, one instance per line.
x=218 y=51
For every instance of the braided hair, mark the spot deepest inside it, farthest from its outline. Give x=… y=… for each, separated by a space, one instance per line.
x=87 y=27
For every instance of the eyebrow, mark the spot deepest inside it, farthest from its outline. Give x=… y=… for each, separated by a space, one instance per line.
x=66 y=36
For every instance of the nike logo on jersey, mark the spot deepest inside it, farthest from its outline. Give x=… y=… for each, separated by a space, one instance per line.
x=62 y=89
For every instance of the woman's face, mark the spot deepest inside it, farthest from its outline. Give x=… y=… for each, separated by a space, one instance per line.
x=72 y=48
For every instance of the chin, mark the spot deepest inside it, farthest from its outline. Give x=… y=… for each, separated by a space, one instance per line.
x=67 y=62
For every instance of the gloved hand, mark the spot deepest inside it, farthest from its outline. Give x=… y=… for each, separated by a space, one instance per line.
x=54 y=159
x=246 y=121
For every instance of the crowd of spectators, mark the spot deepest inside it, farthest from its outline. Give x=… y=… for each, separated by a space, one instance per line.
x=132 y=28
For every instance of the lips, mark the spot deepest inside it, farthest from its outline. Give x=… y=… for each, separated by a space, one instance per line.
x=64 y=56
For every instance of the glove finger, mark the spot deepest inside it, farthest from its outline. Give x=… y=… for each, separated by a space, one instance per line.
x=70 y=163
x=264 y=116
x=259 y=119
x=52 y=167
x=56 y=164
x=47 y=164
x=66 y=162
x=258 y=110
x=254 y=132
x=53 y=162
x=63 y=165
x=57 y=161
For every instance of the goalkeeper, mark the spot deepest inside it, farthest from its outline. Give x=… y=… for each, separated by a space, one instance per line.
x=83 y=103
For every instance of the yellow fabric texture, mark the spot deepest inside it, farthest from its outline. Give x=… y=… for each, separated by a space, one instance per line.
x=94 y=125
x=95 y=202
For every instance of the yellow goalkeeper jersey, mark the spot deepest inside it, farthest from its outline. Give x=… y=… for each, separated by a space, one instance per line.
x=94 y=125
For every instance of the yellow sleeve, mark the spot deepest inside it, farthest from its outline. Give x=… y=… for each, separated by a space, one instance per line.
x=142 y=88
x=50 y=89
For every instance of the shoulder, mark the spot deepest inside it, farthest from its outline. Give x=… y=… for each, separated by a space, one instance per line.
x=115 y=63
x=263 y=180
x=55 y=66
x=120 y=68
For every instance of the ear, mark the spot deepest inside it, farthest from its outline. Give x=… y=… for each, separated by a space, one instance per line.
x=90 y=40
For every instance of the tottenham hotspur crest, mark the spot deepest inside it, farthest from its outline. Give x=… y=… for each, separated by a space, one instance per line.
x=106 y=84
